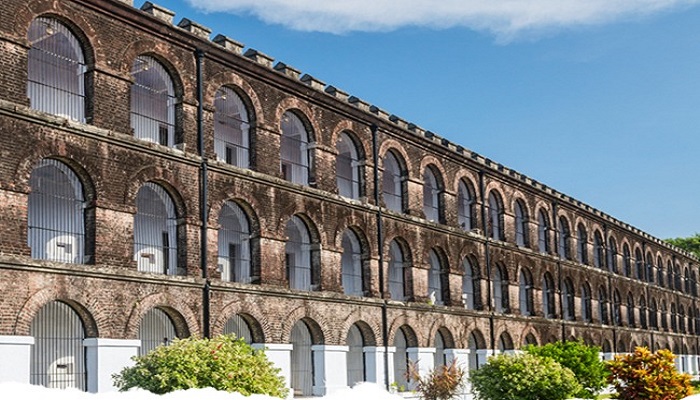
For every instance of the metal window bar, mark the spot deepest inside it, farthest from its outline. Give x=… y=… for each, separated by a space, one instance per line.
x=156 y=329
x=434 y=284
x=56 y=227
x=231 y=128
x=58 y=354
x=351 y=265
x=155 y=231
x=392 y=192
x=294 y=150
x=152 y=102
x=356 y=357
x=468 y=286
x=301 y=360
x=234 y=245
x=397 y=287
x=430 y=197
x=464 y=207
x=55 y=70
x=347 y=176
x=298 y=251
x=239 y=327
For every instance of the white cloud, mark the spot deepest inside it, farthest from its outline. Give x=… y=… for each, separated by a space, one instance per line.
x=504 y=18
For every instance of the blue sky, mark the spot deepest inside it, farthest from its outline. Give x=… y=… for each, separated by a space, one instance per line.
x=597 y=99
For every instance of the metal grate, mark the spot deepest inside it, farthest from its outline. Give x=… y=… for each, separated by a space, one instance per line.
x=397 y=287
x=234 y=245
x=294 y=150
x=347 y=168
x=56 y=213
x=355 y=358
x=156 y=329
x=55 y=70
x=58 y=354
x=152 y=102
x=298 y=255
x=431 y=190
x=231 y=128
x=239 y=327
x=155 y=231
x=392 y=190
x=351 y=265
x=301 y=360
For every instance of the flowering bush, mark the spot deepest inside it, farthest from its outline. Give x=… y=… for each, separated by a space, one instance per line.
x=441 y=383
x=222 y=363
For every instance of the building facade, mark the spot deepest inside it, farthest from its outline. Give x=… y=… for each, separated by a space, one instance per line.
x=157 y=184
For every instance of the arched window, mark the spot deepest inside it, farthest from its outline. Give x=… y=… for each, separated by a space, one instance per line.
x=664 y=315
x=677 y=278
x=669 y=274
x=653 y=315
x=401 y=359
x=234 y=245
x=439 y=360
x=598 y=252
x=432 y=191
x=548 y=296
x=543 y=232
x=630 y=310
x=238 y=326
x=686 y=280
x=500 y=290
x=298 y=255
x=351 y=264
x=674 y=322
x=465 y=206
x=617 y=308
x=650 y=267
x=681 y=319
x=660 y=272
x=393 y=183
x=612 y=255
x=58 y=353
x=603 y=306
x=586 y=310
x=582 y=244
x=55 y=70
x=156 y=328
x=639 y=265
x=568 y=296
x=231 y=128
x=494 y=224
x=642 y=312
x=627 y=259
x=435 y=287
x=521 y=236
x=301 y=360
x=56 y=214
x=294 y=148
x=397 y=271
x=355 y=356
x=564 y=238
x=505 y=343
x=155 y=231
x=525 y=292
x=347 y=167
x=471 y=285
x=152 y=102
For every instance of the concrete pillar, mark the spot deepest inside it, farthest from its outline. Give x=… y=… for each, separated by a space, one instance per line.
x=280 y=354
x=461 y=358
x=482 y=357
x=105 y=357
x=423 y=357
x=607 y=356
x=330 y=368
x=374 y=364
x=15 y=356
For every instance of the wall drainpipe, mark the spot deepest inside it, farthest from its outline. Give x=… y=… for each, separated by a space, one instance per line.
x=203 y=201
x=488 y=261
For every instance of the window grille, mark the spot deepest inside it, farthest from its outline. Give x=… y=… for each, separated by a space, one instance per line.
x=156 y=329
x=58 y=354
x=582 y=245
x=301 y=360
x=495 y=213
x=298 y=255
x=586 y=311
x=347 y=168
x=434 y=280
x=630 y=310
x=392 y=186
x=431 y=191
x=470 y=285
x=549 y=302
x=56 y=70
x=465 y=205
x=56 y=226
x=520 y=224
x=152 y=102
x=439 y=351
x=231 y=128
x=569 y=298
x=356 y=357
x=239 y=327
x=351 y=265
x=234 y=245
x=397 y=287
x=155 y=231
x=294 y=150
x=525 y=293
x=401 y=360
x=603 y=306
x=543 y=233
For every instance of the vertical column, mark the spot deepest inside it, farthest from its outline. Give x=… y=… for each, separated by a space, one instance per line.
x=423 y=358
x=15 y=353
x=461 y=359
x=482 y=356
x=281 y=357
x=374 y=364
x=105 y=357
x=330 y=368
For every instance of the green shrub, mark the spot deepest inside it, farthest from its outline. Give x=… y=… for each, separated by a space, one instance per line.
x=441 y=383
x=523 y=377
x=223 y=363
x=581 y=359
x=647 y=375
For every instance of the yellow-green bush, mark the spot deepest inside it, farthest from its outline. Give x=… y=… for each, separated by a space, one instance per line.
x=222 y=363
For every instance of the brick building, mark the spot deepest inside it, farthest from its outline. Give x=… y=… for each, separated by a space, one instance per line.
x=127 y=139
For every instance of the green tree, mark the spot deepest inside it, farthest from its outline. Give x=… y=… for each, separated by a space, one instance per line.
x=690 y=244
x=649 y=376
x=222 y=363
x=581 y=359
x=523 y=377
